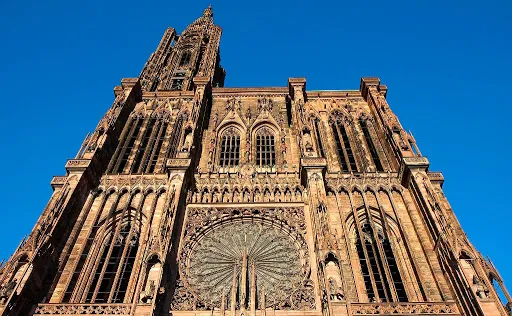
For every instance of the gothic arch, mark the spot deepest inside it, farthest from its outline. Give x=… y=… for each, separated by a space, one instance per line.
x=373 y=238
x=231 y=142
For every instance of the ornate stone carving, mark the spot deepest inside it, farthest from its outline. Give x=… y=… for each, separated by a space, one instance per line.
x=154 y=181
x=272 y=241
x=80 y=309
x=336 y=182
x=403 y=308
x=77 y=164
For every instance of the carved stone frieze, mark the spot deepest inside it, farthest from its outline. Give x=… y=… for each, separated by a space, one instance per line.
x=155 y=181
x=404 y=309
x=336 y=182
x=81 y=309
x=77 y=164
x=58 y=181
x=246 y=188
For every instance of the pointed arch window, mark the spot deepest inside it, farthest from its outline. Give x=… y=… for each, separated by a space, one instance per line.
x=174 y=142
x=113 y=271
x=152 y=160
x=230 y=148
x=318 y=137
x=185 y=59
x=370 y=144
x=345 y=154
x=147 y=137
x=381 y=276
x=120 y=158
x=140 y=147
x=265 y=148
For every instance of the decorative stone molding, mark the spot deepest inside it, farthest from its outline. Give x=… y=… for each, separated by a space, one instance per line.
x=403 y=309
x=436 y=177
x=416 y=162
x=58 y=181
x=314 y=162
x=77 y=165
x=144 y=182
x=178 y=163
x=337 y=182
x=83 y=309
x=247 y=189
x=129 y=82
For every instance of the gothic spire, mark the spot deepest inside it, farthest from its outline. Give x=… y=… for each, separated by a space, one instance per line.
x=205 y=19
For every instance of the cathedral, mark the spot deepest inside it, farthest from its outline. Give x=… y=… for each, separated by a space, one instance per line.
x=194 y=199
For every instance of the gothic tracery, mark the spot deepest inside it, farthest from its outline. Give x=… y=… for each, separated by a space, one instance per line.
x=194 y=198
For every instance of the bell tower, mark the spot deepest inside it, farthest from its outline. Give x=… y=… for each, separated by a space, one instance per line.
x=180 y=58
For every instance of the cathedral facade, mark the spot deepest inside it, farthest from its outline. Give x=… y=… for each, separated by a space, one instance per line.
x=194 y=199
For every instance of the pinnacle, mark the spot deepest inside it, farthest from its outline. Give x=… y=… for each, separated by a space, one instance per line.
x=206 y=18
x=208 y=12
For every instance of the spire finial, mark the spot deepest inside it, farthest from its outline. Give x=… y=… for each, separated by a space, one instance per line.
x=208 y=12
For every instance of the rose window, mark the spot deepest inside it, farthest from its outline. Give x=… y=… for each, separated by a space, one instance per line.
x=237 y=260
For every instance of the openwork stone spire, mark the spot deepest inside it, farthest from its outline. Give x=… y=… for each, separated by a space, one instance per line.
x=205 y=19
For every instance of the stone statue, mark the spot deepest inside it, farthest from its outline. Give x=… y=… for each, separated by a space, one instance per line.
x=6 y=291
x=146 y=297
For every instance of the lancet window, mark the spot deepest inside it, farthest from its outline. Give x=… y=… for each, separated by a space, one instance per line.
x=370 y=144
x=177 y=84
x=139 y=150
x=230 y=148
x=379 y=268
x=185 y=59
x=318 y=137
x=150 y=163
x=345 y=154
x=139 y=154
x=121 y=156
x=112 y=273
x=265 y=148
x=174 y=142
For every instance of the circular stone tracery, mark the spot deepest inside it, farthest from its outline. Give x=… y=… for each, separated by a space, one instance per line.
x=228 y=254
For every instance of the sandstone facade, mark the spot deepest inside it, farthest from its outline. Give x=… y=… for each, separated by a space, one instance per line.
x=191 y=198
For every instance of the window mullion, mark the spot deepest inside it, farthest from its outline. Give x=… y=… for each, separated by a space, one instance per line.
x=367 y=259
x=378 y=251
x=175 y=138
x=159 y=141
x=319 y=139
x=92 y=262
x=137 y=145
x=111 y=247
x=363 y=246
x=343 y=134
x=230 y=151
x=339 y=144
x=86 y=247
x=124 y=138
x=237 y=150
x=154 y=137
x=120 y=268
x=124 y=146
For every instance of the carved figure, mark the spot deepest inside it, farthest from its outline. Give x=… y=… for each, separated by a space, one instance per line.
x=6 y=291
x=146 y=297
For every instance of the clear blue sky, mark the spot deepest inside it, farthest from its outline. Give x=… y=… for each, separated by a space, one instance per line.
x=447 y=65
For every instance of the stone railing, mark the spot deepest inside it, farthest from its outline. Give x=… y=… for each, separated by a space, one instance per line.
x=403 y=309
x=83 y=309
